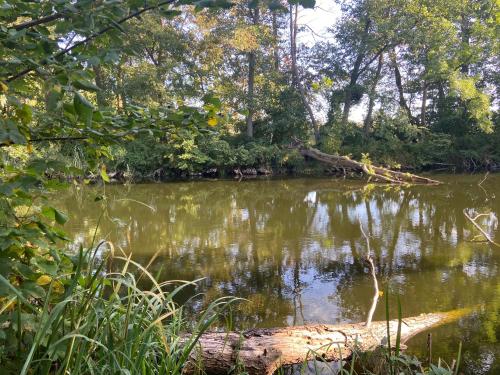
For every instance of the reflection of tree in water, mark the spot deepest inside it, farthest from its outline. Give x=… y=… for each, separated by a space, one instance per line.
x=282 y=243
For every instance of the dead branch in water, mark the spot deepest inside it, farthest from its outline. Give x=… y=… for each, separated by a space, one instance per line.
x=378 y=173
x=473 y=220
x=374 y=276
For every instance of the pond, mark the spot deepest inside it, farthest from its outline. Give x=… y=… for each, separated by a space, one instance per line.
x=294 y=249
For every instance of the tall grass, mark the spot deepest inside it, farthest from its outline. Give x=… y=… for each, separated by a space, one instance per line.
x=105 y=323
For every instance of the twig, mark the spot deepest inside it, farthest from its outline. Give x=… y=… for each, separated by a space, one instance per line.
x=374 y=276
x=481 y=183
x=486 y=235
x=484 y=179
x=88 y=39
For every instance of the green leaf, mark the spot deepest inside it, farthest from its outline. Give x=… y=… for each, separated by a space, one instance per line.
x=52 y=100
x=83 y=108
x=53 y=214
x=83 y=84
x=32 y=289
x=60 y=217
x=9 y=133
x=49 y=212
x=25 y=114
x=47 y=267
x=104 y=175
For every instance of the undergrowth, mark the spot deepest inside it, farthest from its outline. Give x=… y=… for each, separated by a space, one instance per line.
x=104 y=323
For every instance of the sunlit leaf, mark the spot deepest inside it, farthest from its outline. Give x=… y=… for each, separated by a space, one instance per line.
x=104 y=175
x=43 y=280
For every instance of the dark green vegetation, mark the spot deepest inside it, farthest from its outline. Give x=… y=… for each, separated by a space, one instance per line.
x=158 y=88
x=189 y=89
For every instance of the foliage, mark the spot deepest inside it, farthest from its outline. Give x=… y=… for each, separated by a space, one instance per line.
x=148 y=158
x=162 y=87
x=395 y=142
x=87 y=320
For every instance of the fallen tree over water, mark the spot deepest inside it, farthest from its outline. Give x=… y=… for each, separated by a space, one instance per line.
x=380 y=173
x=263 y=351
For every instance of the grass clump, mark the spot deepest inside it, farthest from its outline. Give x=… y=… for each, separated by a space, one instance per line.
x=103 y=322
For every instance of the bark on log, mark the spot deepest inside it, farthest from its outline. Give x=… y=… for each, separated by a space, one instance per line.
x=263 y=351
x=384 y=174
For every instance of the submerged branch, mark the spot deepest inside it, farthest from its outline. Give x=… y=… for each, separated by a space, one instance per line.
x=374 y=276
x=473 y=220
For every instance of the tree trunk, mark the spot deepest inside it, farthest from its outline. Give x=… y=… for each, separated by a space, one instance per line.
x=295 y=73
x=263 y=351
x=465 y=35
x=250 y=93
x=379 y=173
x=121 y=100
x=423 y=109
x=399 y=85
x=276 y=53
x=251 y=80
x=373 y=92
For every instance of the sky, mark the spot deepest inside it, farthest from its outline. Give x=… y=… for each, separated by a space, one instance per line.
x=317 y=21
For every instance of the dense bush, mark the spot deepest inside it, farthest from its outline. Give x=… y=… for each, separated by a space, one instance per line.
x=148 y=157
x=394 y=142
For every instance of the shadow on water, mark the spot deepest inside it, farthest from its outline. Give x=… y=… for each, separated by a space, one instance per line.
x=294 y=249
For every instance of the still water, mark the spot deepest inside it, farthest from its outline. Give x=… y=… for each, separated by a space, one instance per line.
x=294 y=249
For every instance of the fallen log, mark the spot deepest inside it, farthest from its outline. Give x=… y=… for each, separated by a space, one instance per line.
x=380 y=173
x=263 y=351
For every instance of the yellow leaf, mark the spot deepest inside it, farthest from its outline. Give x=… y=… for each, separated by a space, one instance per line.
x=29 y=147
x=3 y=87
x=380 y=293
x=212 y=121
x=44 y=280
x=58 y=287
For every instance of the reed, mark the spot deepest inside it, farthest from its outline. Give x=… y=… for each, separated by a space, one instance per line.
x=105 y=323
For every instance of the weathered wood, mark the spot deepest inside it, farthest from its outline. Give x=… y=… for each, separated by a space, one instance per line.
x=473 y=220
x=263 y=351
x=384 y=174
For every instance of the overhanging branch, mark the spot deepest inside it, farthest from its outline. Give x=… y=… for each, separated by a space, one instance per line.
x=88 y=39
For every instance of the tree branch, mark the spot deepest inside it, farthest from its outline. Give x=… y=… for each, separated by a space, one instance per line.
x=474 y=222
x=374 y=276
x=375 y=57
x=51 y=139
x=88 y=39
x=38 y=21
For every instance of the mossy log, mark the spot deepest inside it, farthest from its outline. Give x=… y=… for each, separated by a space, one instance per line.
x=380 y=173
x=263 y=351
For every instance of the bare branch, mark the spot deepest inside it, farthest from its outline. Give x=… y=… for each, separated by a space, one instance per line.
x=374 y=276
x=474 y=222
x=484 y=179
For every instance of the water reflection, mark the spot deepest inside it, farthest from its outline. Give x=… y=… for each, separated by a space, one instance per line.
x=294 y=249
